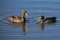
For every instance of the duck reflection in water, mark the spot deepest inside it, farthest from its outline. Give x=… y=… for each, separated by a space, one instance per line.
x=24 y=28
x=41 y=26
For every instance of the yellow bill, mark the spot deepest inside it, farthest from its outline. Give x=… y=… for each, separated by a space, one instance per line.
x=26 y=14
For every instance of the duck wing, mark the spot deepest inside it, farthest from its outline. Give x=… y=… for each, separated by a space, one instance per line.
x=50 y=18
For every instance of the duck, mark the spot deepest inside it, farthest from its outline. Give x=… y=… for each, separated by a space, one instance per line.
x=47 y=20
x=18 y=19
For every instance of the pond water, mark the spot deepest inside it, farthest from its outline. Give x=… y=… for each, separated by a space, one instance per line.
x=30 y=30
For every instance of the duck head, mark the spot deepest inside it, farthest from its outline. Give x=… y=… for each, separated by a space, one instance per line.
x=24 y=13
x=41 y=19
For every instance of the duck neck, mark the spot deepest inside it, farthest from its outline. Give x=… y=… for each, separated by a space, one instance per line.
x=42 y=20
x=23 y=15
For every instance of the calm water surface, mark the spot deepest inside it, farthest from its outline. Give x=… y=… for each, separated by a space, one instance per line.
x=30 y=30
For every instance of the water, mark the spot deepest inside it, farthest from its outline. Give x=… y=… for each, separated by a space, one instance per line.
x=30 y=31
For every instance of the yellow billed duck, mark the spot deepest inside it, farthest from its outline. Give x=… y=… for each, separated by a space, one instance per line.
x=47 y=20
x=18 y=19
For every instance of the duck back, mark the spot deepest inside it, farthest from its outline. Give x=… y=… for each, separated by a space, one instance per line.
x=50 y=19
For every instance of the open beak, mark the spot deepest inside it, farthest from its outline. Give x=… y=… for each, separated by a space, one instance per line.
x=26 y=14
